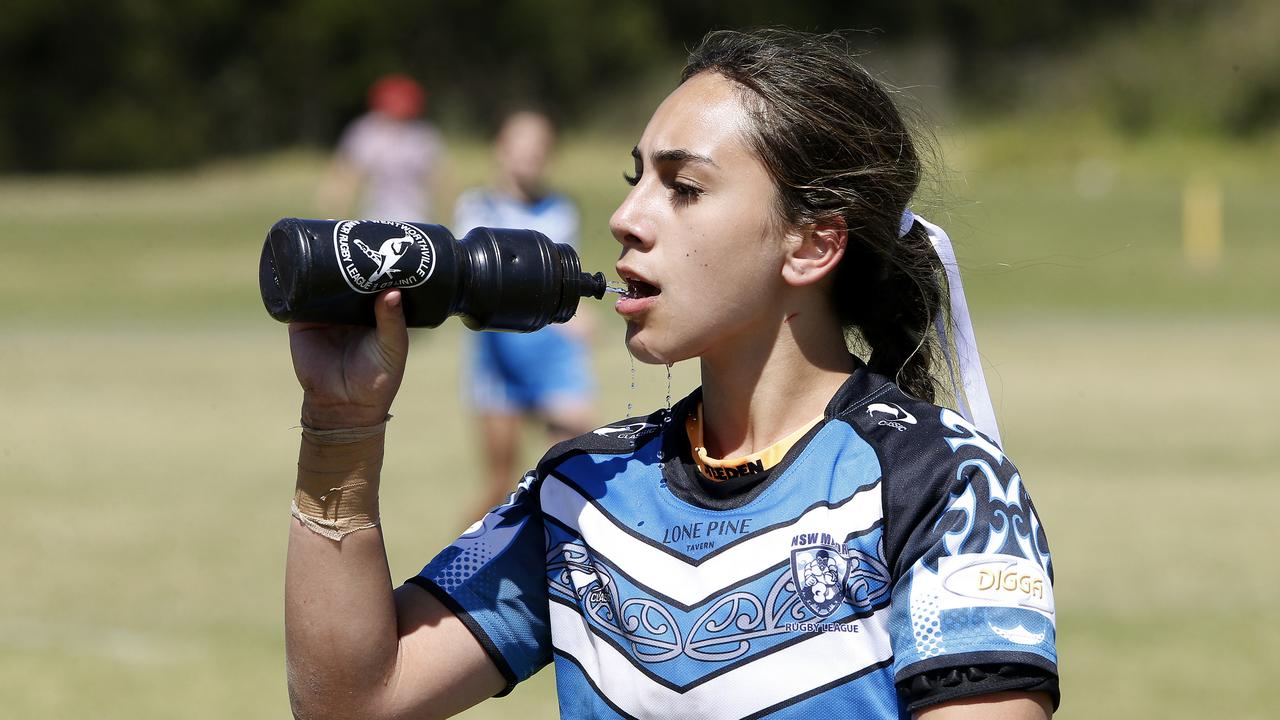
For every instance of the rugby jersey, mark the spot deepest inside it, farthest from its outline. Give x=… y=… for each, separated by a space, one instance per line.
x=894 y=539
x=553 y=215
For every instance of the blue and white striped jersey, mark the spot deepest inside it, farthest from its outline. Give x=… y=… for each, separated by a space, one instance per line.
x=895 y=540
x=554 y=215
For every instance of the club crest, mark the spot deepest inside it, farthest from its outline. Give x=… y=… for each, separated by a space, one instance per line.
x=819 y=570
x=374 y=255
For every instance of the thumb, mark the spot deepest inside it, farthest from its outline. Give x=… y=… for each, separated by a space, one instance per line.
x=392 y=334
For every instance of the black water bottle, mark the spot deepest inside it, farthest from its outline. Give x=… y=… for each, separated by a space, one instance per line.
x=495 y=279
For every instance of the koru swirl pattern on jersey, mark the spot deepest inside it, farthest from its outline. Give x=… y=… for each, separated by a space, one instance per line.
x=725 y=630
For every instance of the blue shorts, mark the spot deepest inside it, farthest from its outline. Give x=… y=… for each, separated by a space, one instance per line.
x=521 y=372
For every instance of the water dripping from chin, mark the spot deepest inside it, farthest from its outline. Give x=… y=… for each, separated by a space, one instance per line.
x=632 y=393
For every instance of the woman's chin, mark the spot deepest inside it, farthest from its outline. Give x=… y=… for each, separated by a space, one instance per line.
x=640 y=352
x=643 y=350
x=652 y=355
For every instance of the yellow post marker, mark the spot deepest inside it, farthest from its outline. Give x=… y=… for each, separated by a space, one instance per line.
x=1202 y=223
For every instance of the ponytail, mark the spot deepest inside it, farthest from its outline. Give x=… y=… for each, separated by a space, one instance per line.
x=889 y=290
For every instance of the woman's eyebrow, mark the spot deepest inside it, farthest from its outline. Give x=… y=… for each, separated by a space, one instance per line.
x=674 y=156
x=681 y=156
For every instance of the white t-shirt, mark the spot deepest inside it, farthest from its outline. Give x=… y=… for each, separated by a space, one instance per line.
x=397 y=159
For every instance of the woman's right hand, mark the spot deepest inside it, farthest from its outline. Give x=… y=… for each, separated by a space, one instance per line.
x=350 y=374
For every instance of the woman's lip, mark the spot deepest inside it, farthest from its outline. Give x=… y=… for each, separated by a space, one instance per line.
x=630 y=276
x=633 y=305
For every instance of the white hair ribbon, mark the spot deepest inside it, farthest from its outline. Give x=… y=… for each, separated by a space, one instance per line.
x=973 y=398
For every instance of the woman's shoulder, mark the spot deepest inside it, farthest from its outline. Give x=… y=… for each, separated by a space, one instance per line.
x=629 y=436
x=921 y=446
x=896 y=422
x=934 y=461
x=616 y=438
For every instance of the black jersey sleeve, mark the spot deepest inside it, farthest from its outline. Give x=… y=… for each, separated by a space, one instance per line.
x=935 y=687
x=969 y=560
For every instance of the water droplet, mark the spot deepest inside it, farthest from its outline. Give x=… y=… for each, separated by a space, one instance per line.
x=632 y=359
x=668 y=391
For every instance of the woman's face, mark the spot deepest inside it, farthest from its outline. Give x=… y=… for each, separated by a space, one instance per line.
x=702 y=246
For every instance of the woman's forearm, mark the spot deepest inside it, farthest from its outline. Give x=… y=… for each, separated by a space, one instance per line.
x=341 y=639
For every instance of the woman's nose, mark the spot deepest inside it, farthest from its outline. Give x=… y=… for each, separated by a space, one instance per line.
x=626 y=223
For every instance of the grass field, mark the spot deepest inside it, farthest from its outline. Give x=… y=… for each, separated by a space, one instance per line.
x=146 y=449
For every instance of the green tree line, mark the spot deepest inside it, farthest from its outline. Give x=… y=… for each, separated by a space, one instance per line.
x=129 y=84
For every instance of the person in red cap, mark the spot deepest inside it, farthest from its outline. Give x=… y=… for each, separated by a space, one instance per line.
x=389 y=155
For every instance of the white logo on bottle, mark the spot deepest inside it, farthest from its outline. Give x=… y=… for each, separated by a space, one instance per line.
x=404 y=257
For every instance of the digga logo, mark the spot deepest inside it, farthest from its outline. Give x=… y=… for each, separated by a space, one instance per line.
x=995 y=580
x=1011 y=581
x=374 y=255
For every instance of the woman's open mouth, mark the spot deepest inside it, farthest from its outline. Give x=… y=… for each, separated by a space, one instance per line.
x=640 y=289
x=639 y=296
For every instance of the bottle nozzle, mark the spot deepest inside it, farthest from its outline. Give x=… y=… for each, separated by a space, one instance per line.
x=592 y=285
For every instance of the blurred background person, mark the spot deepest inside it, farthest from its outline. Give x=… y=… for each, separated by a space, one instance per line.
x=545 y=374
x=390 y=155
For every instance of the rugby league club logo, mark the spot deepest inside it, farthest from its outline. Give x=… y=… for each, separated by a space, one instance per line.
x=374 y=255
x=819 y=570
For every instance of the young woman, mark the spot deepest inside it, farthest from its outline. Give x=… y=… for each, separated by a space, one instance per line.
x=806 y=535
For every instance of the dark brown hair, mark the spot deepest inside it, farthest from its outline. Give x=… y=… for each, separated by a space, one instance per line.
x=837 y=146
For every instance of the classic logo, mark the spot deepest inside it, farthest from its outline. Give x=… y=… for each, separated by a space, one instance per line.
x=819 y=570
x=897 y=416
x=374 y=255
x=630 y=431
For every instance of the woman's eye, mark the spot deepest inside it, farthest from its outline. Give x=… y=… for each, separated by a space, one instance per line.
x=631 y=179
x=685 y=193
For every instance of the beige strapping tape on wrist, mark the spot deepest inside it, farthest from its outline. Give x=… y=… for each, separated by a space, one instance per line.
x=344 y=436
x=333 y=529
x=336 y=503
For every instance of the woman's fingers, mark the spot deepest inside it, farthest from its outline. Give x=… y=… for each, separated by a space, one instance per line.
x=350 y=374
x=392 y=335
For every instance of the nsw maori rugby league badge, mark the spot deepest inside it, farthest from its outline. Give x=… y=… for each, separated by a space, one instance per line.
x=819 y=570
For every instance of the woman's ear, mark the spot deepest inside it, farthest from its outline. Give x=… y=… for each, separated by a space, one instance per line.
x=815 y=251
